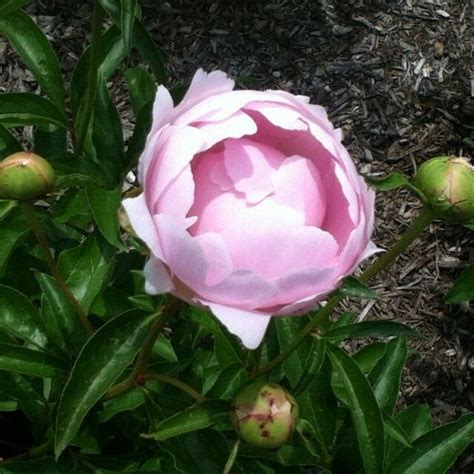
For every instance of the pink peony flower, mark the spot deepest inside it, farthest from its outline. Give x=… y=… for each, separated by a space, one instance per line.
x=251 y=206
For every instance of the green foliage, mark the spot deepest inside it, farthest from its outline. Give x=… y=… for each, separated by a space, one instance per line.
x=127 y=394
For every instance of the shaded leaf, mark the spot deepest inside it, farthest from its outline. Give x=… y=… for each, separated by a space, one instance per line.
x=197 y=417
x=371 y=329
x=463 y=288
x=436 y=451
x=365 y=413
x=141 y=86
x=19 y=317
x=8 y=143
x=354 y=287
x=387 y=374
x=104 y=206
x=28 y=361
x=36 y=52
x=104 y=357
x=127 y=20
x=23 y=108
x=9 y=6
x=124 y=402
x=87 y=268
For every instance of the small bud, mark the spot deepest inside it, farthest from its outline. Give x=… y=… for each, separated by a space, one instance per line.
x=448 y=185
x=25 y=176
x=265 y=415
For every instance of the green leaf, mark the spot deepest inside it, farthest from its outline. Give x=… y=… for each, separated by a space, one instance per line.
x=104 y=206
x=371 y=329
x=163 y=348
x=228 y=381
x=59 y=317
x=354 y=287
x=387 y=183
x=415 y=421
x=312 y=365
x=28 y=361
x=197 y=417
x=73 y=171
x=9 y=6
x=124 y=402
x=18 y=387
x=142 y=127
x=226 y=347
x=287 y=329
x=463 y=288
x=104 y=357
x=396 y=432
x=22 y=108
x=8 y=405
x=106 y=148
x=435 y=451
x=387 y=374
x=8 y=143
x=127 y=21
x=50 y=141
x=19 y=317
x=141 y=86
x=36 y=52
x=365 y=413
x=6 y=205
x=87 y=269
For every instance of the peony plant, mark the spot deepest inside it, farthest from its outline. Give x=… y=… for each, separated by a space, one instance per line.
x=167 y=302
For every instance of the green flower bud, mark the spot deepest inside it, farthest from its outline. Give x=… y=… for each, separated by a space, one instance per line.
x=265 y=415
x=448 y=185
x=25 y=176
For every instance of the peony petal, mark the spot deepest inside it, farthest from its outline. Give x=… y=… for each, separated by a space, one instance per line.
x=298 y=185
x=237 y=125
x=172 y=154
x=217 y=257
x=279 y=115
x=249 y=326
x=142 y=223
x=157 y=278
x=251 y=166
x=162 y=108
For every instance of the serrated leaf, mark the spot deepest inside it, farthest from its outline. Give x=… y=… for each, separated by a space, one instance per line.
x=36 y=52
x=463 y=288
x=104 y=357
x=371 y=329
x=351 y=286
x=365 y=413
x=387 y=374
x=104 y=206
x=87 y=268
x=28 y=361
x=435 y=451
x=9 y=6
x=19 y=317
x=197 y=417
x=23 y=108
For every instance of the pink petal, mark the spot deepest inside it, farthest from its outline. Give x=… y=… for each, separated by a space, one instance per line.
x=298 y=185
x=171 y=154
x=279 y=114
x=235 y=126
x=162 y=108
x=251 y=166
x=249 y=326
x=142 y=223
x=157 y=278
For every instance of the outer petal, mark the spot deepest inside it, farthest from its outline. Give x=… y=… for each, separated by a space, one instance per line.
x=250 y=326
x=157 y=278
x=142 y=223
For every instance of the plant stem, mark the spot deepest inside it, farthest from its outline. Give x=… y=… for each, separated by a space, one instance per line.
x=232 y=457
x=176 y=383
x=29 y=211
x=84 y=113
x=322 y=316
x=147 y=349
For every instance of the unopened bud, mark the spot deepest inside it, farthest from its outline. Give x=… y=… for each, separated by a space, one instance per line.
x=265 y=415
x=448 y=185
x=25 y=176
